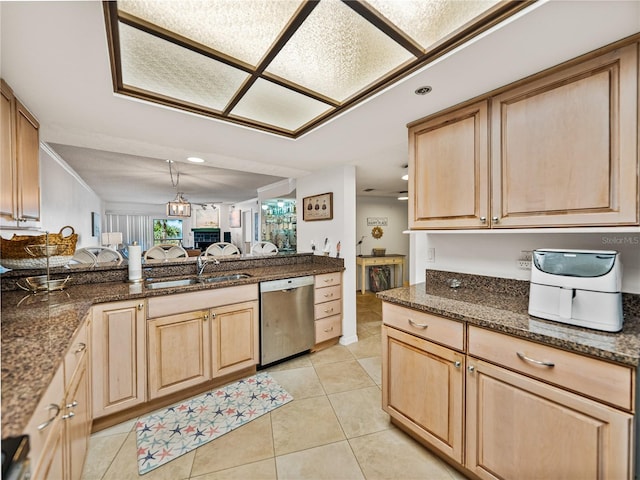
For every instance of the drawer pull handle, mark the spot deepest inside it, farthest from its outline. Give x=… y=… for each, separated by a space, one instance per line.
x=68 y=415
x=73 y=404
x=522 y=356
x=328 y=329
x=328 y=280
x=328 y=310
x=81 y=348
x=418 y=325
x=328 y=295
x=51 y=406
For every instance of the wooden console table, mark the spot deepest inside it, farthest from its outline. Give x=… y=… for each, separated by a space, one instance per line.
x=364 y=261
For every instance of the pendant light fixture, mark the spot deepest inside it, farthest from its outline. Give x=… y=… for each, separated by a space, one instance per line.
x=178 y=207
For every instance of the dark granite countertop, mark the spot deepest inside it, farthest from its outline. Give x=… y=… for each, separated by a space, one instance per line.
x=37 y=329
x=502 y=305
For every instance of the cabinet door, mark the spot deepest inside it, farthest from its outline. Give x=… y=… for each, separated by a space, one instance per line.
x=564 y=147
x=179 y=352
x=235 y=341
x=7 y=153
x=519 y=428
x=422 y=389
x=118 y=356
x=449 y=170
x=78 y=421
x=52 y=465
x=28 y=164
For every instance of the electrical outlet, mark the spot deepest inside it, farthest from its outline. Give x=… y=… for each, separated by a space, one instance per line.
x=431 y=255
x=524 y=261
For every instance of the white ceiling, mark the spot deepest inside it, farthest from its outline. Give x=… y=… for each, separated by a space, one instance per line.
x=54 y=55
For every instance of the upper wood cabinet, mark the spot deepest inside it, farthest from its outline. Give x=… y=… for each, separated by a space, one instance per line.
x=559 y=149
x=564 y=148
x=449 y=170
x=19 y=158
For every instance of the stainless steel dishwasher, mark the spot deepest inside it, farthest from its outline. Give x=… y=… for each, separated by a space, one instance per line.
x=286 y=318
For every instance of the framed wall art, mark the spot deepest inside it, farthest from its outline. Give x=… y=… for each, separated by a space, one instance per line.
x=318 y=207
x=234 y=218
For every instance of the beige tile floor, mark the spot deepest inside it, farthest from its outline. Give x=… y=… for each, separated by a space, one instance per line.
x=333 y=429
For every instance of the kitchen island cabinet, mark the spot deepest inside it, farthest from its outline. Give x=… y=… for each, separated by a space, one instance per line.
x=60 y=428
x=119 y=356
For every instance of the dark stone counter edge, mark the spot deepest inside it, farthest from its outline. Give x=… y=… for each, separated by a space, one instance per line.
x=391 y=296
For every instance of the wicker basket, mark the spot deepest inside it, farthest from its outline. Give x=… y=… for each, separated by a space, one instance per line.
x=29 y=251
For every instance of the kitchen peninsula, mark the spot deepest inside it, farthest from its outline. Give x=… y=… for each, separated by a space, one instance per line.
x=45 y=335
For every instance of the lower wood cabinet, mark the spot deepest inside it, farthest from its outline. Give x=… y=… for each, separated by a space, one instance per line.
x=61 y=425
x=423 y=389
x=179 y=352
x=520 y=428
x=119 y=363
x=327 y=308
x=500 y=412
x=235 y=337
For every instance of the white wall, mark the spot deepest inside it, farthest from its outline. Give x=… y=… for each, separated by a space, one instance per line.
x=239 y=235
x=495 y=254
x=342 y=228
x=65 y=199
x=393 y=240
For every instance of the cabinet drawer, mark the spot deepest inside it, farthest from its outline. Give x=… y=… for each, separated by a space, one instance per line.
x=589 y=376
x=77 y=350
x=328 y=328
x=328 y=279
x=328 y=309
x=327 y=294
x=425 y=325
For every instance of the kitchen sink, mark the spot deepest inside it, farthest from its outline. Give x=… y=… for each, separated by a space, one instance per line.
x=225 y=278
x=185 y=282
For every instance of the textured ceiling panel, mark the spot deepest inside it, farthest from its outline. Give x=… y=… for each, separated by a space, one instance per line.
x=428 y=22
x=244 y=29
x=337 y=52
x=170 y=70
x=274 y=105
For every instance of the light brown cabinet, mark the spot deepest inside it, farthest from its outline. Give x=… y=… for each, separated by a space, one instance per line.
x=327 y=309
x=559 y=149
x=119 y=363
x=61 y=425
x=179 y=352
x=19 y=160
x=523 y=428
x=423 y=388
x=503 y=407
x=193 y=347
x=234 y=337
x=449 y=170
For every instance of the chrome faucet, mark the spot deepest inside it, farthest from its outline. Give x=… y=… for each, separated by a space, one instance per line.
x=202 y=262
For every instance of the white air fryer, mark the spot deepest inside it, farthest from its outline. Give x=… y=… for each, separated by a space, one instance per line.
x=577 y=287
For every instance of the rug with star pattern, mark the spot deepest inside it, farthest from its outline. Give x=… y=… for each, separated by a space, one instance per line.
x=173 y=431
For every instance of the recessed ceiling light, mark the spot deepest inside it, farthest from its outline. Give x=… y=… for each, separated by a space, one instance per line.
x=405 y=177
x=195 y=159
x=403 y=198
x=423 y=90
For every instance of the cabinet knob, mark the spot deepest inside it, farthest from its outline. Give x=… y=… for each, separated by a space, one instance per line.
x=471 y=368
x=483 y=219
x=206 y=317
x=140 y=306
x=81 y=348
x=457 y=364
x=495 y=219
